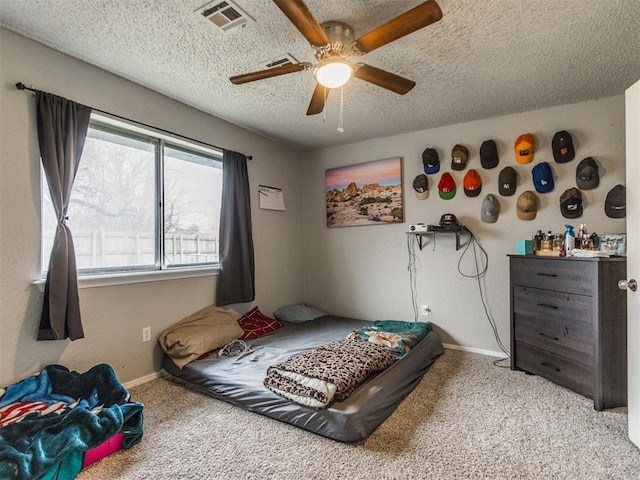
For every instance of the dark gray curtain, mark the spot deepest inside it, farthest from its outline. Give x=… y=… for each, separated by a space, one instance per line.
x=62 y=129
x=236 y=280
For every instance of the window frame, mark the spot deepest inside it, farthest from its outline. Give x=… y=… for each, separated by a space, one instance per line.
x=159 y=270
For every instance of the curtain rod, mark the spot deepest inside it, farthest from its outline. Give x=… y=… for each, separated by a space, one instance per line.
x=22 y=86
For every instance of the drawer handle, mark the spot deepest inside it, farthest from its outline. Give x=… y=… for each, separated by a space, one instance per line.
x=548 y=365
x=546 y=305
x=551 y=337
x=546 y=274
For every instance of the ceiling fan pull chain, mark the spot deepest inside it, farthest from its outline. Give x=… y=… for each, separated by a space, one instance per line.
x=341 y=115
x=324 y=109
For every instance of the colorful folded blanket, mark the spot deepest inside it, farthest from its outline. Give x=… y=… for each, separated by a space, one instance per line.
x=329 y=372
x=397 y=336
x=49 y=420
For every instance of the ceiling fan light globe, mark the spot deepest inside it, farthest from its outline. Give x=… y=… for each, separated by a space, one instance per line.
x=333 y=74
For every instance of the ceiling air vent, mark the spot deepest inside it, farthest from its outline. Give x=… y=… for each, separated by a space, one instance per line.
x=285 y=59
x=224 y=14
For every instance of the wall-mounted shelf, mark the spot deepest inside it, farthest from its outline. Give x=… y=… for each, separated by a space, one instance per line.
x=436 y=230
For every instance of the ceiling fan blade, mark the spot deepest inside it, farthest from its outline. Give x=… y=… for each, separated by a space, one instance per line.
x=318 y=99
x=270 y=72
x=419 y=17
x=298 y=13
x=384 y=79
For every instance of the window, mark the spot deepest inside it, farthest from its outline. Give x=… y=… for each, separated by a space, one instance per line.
x=142 y=200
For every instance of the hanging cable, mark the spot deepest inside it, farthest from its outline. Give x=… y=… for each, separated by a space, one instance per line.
x=411 y=267
x=480 y=272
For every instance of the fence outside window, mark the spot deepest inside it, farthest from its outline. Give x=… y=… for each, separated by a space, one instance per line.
x=101 y=249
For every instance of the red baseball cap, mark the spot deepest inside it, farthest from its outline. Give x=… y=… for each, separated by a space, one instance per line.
x=446 y=186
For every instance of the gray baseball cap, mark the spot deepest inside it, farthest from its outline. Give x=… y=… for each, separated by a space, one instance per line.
x=490 y=209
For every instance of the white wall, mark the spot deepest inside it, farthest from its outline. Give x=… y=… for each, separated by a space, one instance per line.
x=113 y=317
x=362 y=271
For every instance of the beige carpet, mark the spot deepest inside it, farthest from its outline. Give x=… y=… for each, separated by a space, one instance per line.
x=467 y=419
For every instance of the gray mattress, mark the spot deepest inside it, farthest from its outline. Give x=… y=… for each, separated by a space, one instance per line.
x=238 y=380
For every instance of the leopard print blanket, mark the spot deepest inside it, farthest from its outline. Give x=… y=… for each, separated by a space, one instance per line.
x=329 y=372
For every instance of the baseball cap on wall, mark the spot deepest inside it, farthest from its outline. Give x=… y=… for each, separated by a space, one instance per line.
x=562 y=146
x=446 y=186
x=543 y=177
x=524 y=148
x=489 y=154
x=430 y=161
x=507 y=181
x=459 y=157
x=449 y=219
x=571 y=203
x=490 y=209
x=472 y=183
x=421 y=186
x=615 y=205
x=527 y=205
x=587 y=176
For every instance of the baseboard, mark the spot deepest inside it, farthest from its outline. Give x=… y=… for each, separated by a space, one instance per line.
x=141 y=380
x=489 y=353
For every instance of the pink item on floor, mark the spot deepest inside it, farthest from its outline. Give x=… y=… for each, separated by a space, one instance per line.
x=103 y=450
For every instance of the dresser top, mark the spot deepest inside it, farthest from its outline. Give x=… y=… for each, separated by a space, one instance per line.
x=569 y=259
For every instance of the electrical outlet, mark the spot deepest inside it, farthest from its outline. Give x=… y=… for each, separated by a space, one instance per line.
x=425 y=310
x=146 y=334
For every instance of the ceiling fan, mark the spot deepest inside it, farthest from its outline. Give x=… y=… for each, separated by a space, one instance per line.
x=334 y=42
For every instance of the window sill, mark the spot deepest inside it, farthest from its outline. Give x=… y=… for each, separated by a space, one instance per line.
x=90 y=281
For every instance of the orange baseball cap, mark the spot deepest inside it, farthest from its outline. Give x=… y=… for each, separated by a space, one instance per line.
x=524 y=148
x=472 y=183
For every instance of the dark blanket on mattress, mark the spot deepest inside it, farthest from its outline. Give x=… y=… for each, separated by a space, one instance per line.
x=70 y=413
x=328 y=372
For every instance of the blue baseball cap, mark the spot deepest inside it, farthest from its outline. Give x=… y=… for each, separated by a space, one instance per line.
x=543 y=177
x=430 y=161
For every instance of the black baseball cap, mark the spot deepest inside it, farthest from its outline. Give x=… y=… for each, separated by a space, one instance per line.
x=615 y=205
x=571 y=203
x=508 y=181
x=587 y=176
x=448 y=219
x=430 y=161
x=562 y=146
x=489 y=154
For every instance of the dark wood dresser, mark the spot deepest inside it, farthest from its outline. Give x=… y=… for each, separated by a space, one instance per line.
x=569 y=324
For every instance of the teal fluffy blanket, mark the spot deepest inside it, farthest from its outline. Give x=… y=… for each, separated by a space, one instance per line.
x=49 y=420
x=395 y=335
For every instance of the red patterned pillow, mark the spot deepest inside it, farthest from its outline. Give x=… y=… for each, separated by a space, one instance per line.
x=256 y=324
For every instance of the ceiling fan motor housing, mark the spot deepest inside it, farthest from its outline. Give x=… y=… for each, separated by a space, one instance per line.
x=340 y=36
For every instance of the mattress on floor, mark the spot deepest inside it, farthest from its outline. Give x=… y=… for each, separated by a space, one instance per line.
x=238 y=380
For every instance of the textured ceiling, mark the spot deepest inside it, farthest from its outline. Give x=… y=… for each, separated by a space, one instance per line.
x=483 y=59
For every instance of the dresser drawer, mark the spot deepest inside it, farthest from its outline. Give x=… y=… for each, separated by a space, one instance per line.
x=554 y=274
x=558 y=322
x=560 y=370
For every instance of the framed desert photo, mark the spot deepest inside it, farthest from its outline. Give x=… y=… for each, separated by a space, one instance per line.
x=365 y=194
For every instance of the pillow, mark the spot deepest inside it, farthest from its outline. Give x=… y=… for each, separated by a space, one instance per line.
x=298 y=313
x=205 y=330
x=256 y=324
